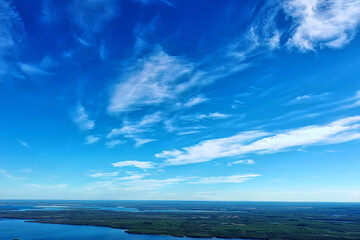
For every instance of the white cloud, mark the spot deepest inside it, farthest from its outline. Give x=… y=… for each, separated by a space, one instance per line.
x=150 y=119
x=320 y=23
x=187 y=133
x=274 y=41
x=209 y=149
x=11 y=35
x=134 y=130
x=225 y=179
x=83 y=42
x=195 y=101
x=245 y=161
x=168 y=154
x=132 y=176
x=204 y=116
x=31 y=69
x=137 y=182
x=159 y=77
x=141 y=141
x=132 y=163
x=354 y=99
x=352 y=105
x=127 y=130
x=342 y=130
x=308 y=98
x=24 y=144
x=150 y=82
x=113 y=143
x=150 y=184
x=104 y=174
x=81 y=118
x=91 y=139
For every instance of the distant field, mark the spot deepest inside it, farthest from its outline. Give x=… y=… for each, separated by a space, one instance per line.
x=257 y=220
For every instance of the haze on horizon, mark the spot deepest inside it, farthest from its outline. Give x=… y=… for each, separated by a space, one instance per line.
x=180 y=100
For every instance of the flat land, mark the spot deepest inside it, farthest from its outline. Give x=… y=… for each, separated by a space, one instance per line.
x=273 y=221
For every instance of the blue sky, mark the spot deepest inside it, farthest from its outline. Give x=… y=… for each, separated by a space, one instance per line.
x=180 y=100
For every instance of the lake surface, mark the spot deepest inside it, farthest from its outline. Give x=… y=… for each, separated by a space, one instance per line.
x=14 y=228
x=116 y=208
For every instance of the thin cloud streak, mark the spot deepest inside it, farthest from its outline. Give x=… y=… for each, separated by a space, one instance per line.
x=133 y=163
x=342 y=130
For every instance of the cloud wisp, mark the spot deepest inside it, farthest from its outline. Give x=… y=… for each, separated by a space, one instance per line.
x=104 y=174
x=11 y=35
x=81 y=118
x=135 y=130
x=313 y=24
x=150 y=82
x=91 y=139
x=318 y=23
x=225 y=179
x=133 y=163
x=342 y=130
x=113 y=143
x=138 y=182
x=308 y=98
x=243 y=161
x=24 y=144
x=195 y=101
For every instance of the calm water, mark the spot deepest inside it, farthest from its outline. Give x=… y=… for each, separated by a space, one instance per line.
x=119 y=208
x=13 y=228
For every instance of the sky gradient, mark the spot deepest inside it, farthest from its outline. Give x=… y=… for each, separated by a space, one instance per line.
x=180 y=100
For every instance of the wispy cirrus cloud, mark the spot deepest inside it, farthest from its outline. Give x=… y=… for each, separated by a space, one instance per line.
x=11 y=35
x=195 y=101
x=144 y=184
x=137 y=182
x=104 y=174
x=319 y=23
x=91 y=139
x=133 y=163
x=342 y=130
x=205 y=116
x=24 y=144
x=141 y=141
x=187 y=132
x=81 y=118
x=137 y=129
x=313 y=24
x=308 y=98
x=150 y=82
x=209 y=149
x=354 y=101
x=243 y=161
x=113 y=143
x=31 y=69
x=225 y=179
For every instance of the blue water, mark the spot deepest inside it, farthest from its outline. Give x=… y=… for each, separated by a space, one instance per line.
x=13 y=228
x=119 y=208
